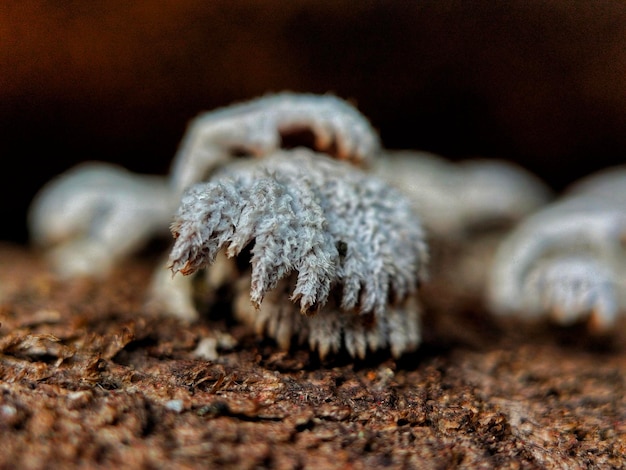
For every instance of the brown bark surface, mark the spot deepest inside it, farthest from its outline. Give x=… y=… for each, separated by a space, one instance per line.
x=88 y=380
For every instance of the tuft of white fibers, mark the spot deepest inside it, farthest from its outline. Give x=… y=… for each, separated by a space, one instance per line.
x=349 y=244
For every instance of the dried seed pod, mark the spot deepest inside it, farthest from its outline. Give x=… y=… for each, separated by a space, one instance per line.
x=296 y=208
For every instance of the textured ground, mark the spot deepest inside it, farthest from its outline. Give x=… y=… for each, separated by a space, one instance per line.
x=88 y=381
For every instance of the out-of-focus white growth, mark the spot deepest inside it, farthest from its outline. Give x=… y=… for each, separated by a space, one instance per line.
x=92 y=216
x=453 y=198
x=256 y=128
x=567 y=261
x=349 y=243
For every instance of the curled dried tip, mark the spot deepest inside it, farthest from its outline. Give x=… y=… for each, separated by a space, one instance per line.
x=256 y=299
x=185 y=261
x=186 y=270
x=179 y=262
x=309 y=306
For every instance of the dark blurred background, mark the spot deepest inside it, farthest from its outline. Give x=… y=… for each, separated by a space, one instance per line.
x=542 y=83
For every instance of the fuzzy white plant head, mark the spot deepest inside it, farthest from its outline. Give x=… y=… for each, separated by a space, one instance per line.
x=350 y=243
